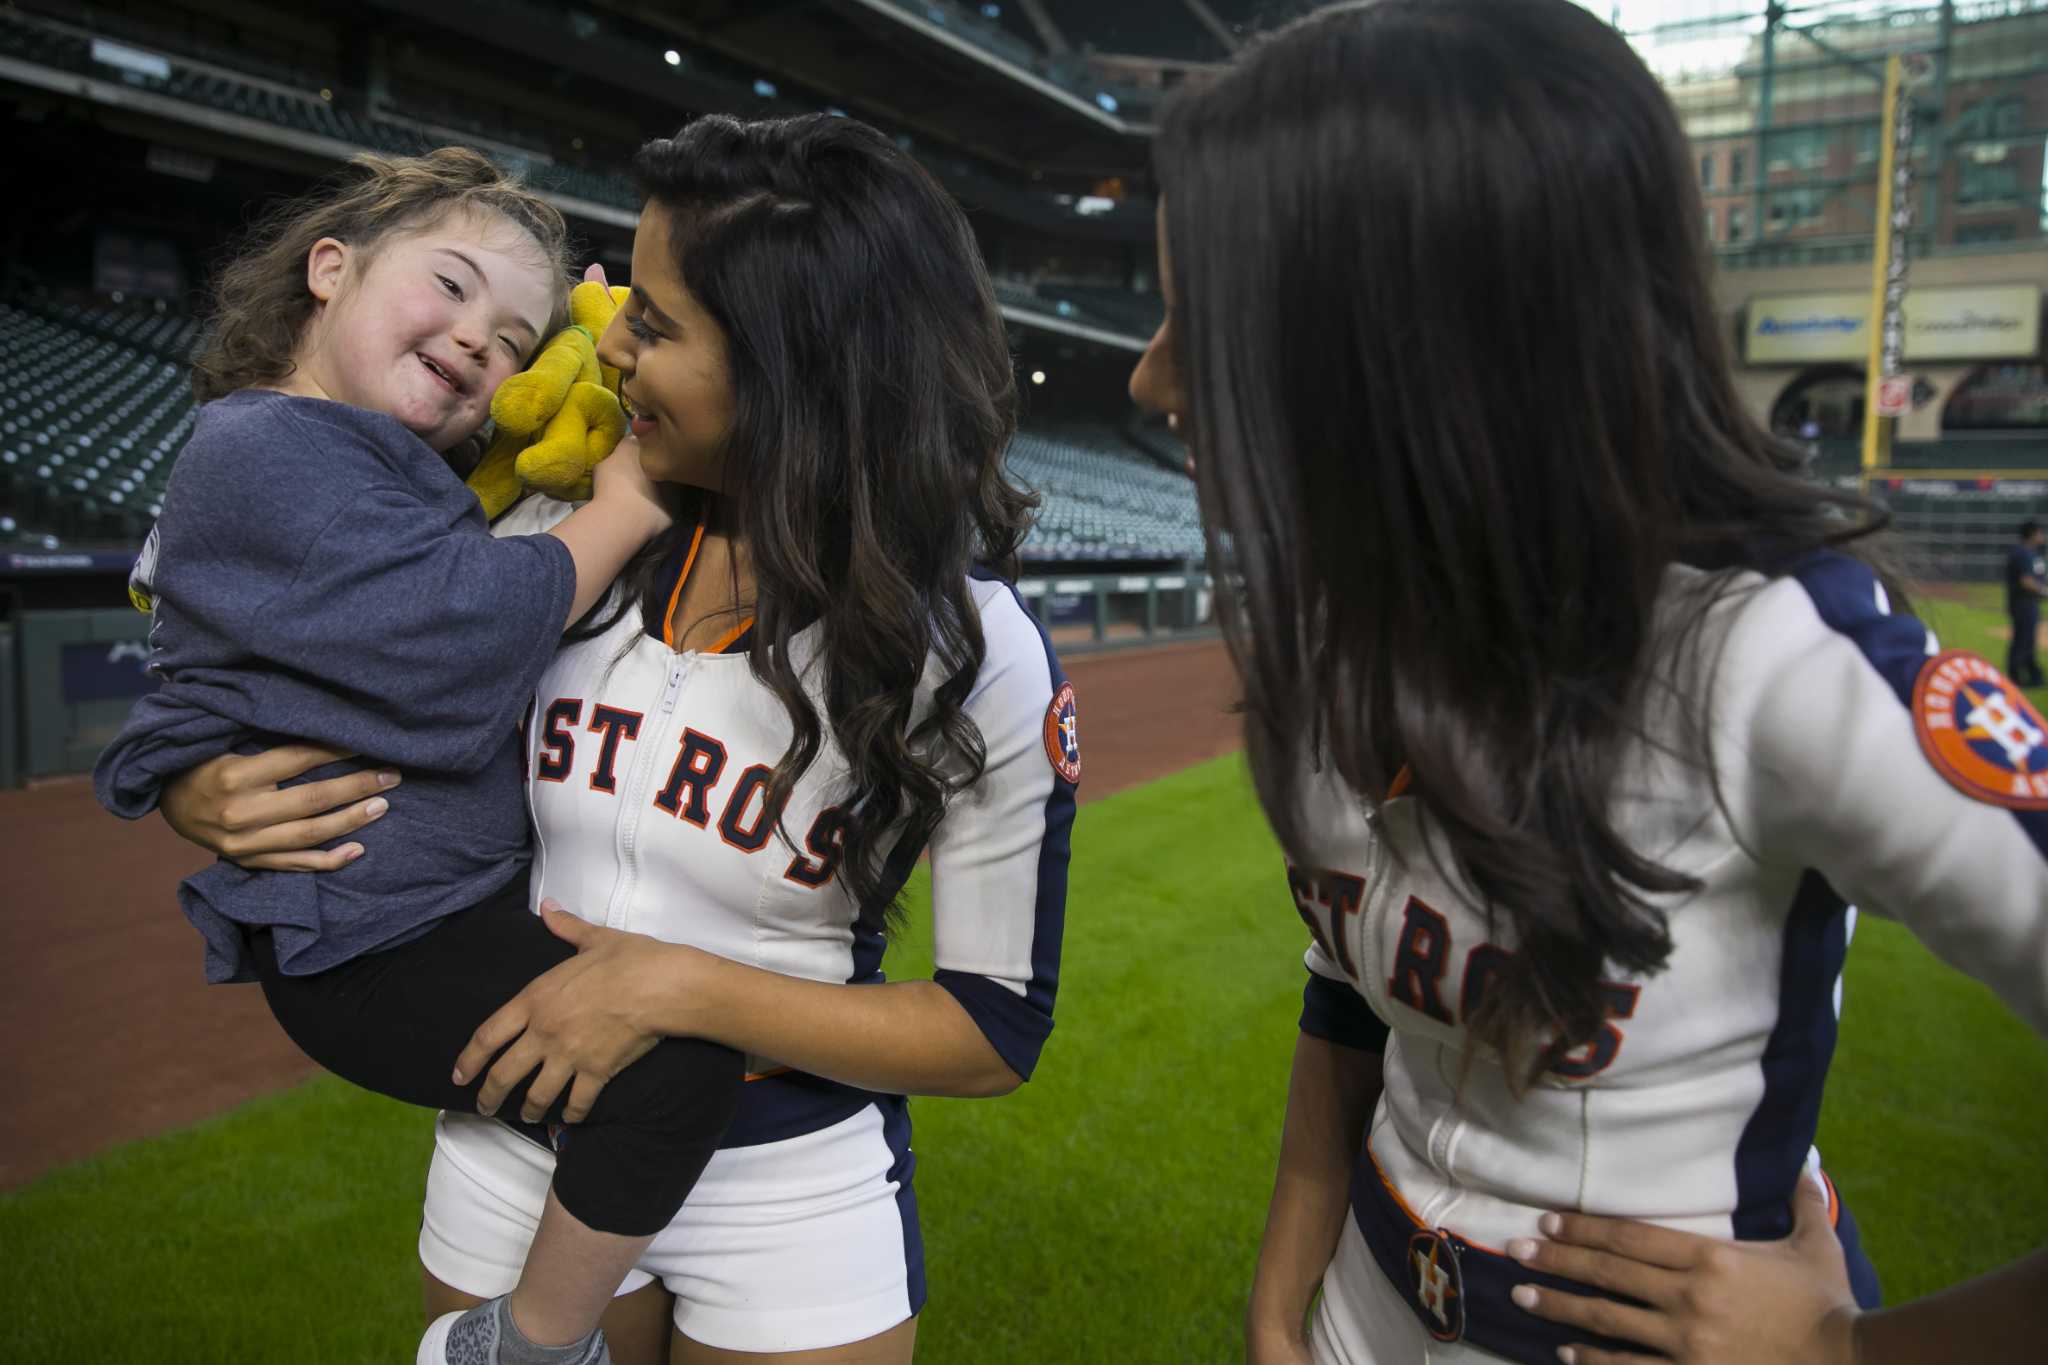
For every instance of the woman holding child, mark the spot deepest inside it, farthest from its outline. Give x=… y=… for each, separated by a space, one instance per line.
x=733 y=764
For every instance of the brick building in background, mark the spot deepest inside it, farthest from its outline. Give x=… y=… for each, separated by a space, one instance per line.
x=1783 y=106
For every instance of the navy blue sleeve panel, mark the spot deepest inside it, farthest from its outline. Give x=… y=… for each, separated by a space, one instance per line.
x=1775 y=1142
x=1848 y=597
x=999 y=858
x=322 y=574
x=1335 y=1013
x=1913 y=781
x=1014 y=1027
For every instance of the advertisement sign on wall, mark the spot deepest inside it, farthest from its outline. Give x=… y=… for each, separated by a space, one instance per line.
x=1944 y=322
x=1797 y=329
x=1987 y=322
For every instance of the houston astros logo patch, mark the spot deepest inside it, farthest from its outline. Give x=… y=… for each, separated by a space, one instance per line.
x=1063 y=734
x=1980 y=732
x=1439 y=1281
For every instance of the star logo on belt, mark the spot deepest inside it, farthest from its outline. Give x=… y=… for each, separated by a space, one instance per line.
x=1439 y=1283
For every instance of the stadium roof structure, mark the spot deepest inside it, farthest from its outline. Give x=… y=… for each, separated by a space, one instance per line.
x=939 y=70
x=313 y=120
x=998 y=133
x=308 y=107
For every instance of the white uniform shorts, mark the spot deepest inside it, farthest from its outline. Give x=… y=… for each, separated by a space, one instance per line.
x=794 y=1245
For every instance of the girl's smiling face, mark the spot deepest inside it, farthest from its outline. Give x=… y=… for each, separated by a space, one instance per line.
x=674 y=365
x=427 y=324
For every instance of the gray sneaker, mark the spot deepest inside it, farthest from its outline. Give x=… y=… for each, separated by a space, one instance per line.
x=476 y=1337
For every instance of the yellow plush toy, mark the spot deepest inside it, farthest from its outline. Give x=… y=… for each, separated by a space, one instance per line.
x=556 y=419
x=559 y=416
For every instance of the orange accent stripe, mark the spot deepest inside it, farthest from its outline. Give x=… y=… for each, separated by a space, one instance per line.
x=1420 y=1226
x=668 y=620
x=741 y=629
x=1834 y=1201
x=773 y=1071
x=1403 y=780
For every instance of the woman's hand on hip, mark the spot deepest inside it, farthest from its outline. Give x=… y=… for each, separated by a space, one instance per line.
x=1709 y=1302
x=578 y=1024
x=233 y=807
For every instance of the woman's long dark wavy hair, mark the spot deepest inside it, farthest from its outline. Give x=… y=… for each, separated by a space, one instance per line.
x=874 y=397
x=1459 y=400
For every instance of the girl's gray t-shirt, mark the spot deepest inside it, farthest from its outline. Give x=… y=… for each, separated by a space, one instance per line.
x=320 y=574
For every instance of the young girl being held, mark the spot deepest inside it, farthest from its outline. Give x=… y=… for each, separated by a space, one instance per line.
x=320 y=573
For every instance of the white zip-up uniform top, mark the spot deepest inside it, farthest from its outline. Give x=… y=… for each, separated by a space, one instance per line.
x=1858 y=765
x=648 y=771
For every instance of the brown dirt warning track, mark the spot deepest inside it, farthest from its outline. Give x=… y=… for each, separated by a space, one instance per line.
x=108 y=1033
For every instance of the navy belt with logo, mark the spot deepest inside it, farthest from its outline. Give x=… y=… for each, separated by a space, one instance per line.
x=1458 y=1290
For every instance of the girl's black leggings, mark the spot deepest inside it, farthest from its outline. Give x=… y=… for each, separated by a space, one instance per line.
x=393 y=1021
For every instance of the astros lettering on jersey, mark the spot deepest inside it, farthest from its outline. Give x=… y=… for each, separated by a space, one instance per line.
x=1859 y=766
x=648 y=776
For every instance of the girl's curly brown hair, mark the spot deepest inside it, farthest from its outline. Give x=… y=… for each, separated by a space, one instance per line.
x=259 y=305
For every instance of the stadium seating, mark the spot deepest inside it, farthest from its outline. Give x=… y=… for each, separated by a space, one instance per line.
x=1103 y=500
x=1011 y=40
x=304 y=112
x=95 y=403
x=88 y=428
x=1125 y=311
x=174 y=336
x=44 y=47
x=524 y=150
x=1959 y=531
x=1112 y=310
x=1145 y=28
x=17 y=537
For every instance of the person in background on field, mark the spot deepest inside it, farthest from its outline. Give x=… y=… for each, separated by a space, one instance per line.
x=2026 y=583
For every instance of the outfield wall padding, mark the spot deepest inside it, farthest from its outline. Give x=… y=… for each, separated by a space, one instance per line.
x=10 y=712
x=80 y=671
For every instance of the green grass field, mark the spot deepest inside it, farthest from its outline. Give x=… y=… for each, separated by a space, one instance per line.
x=1970 y=616
x=1108 y=1211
